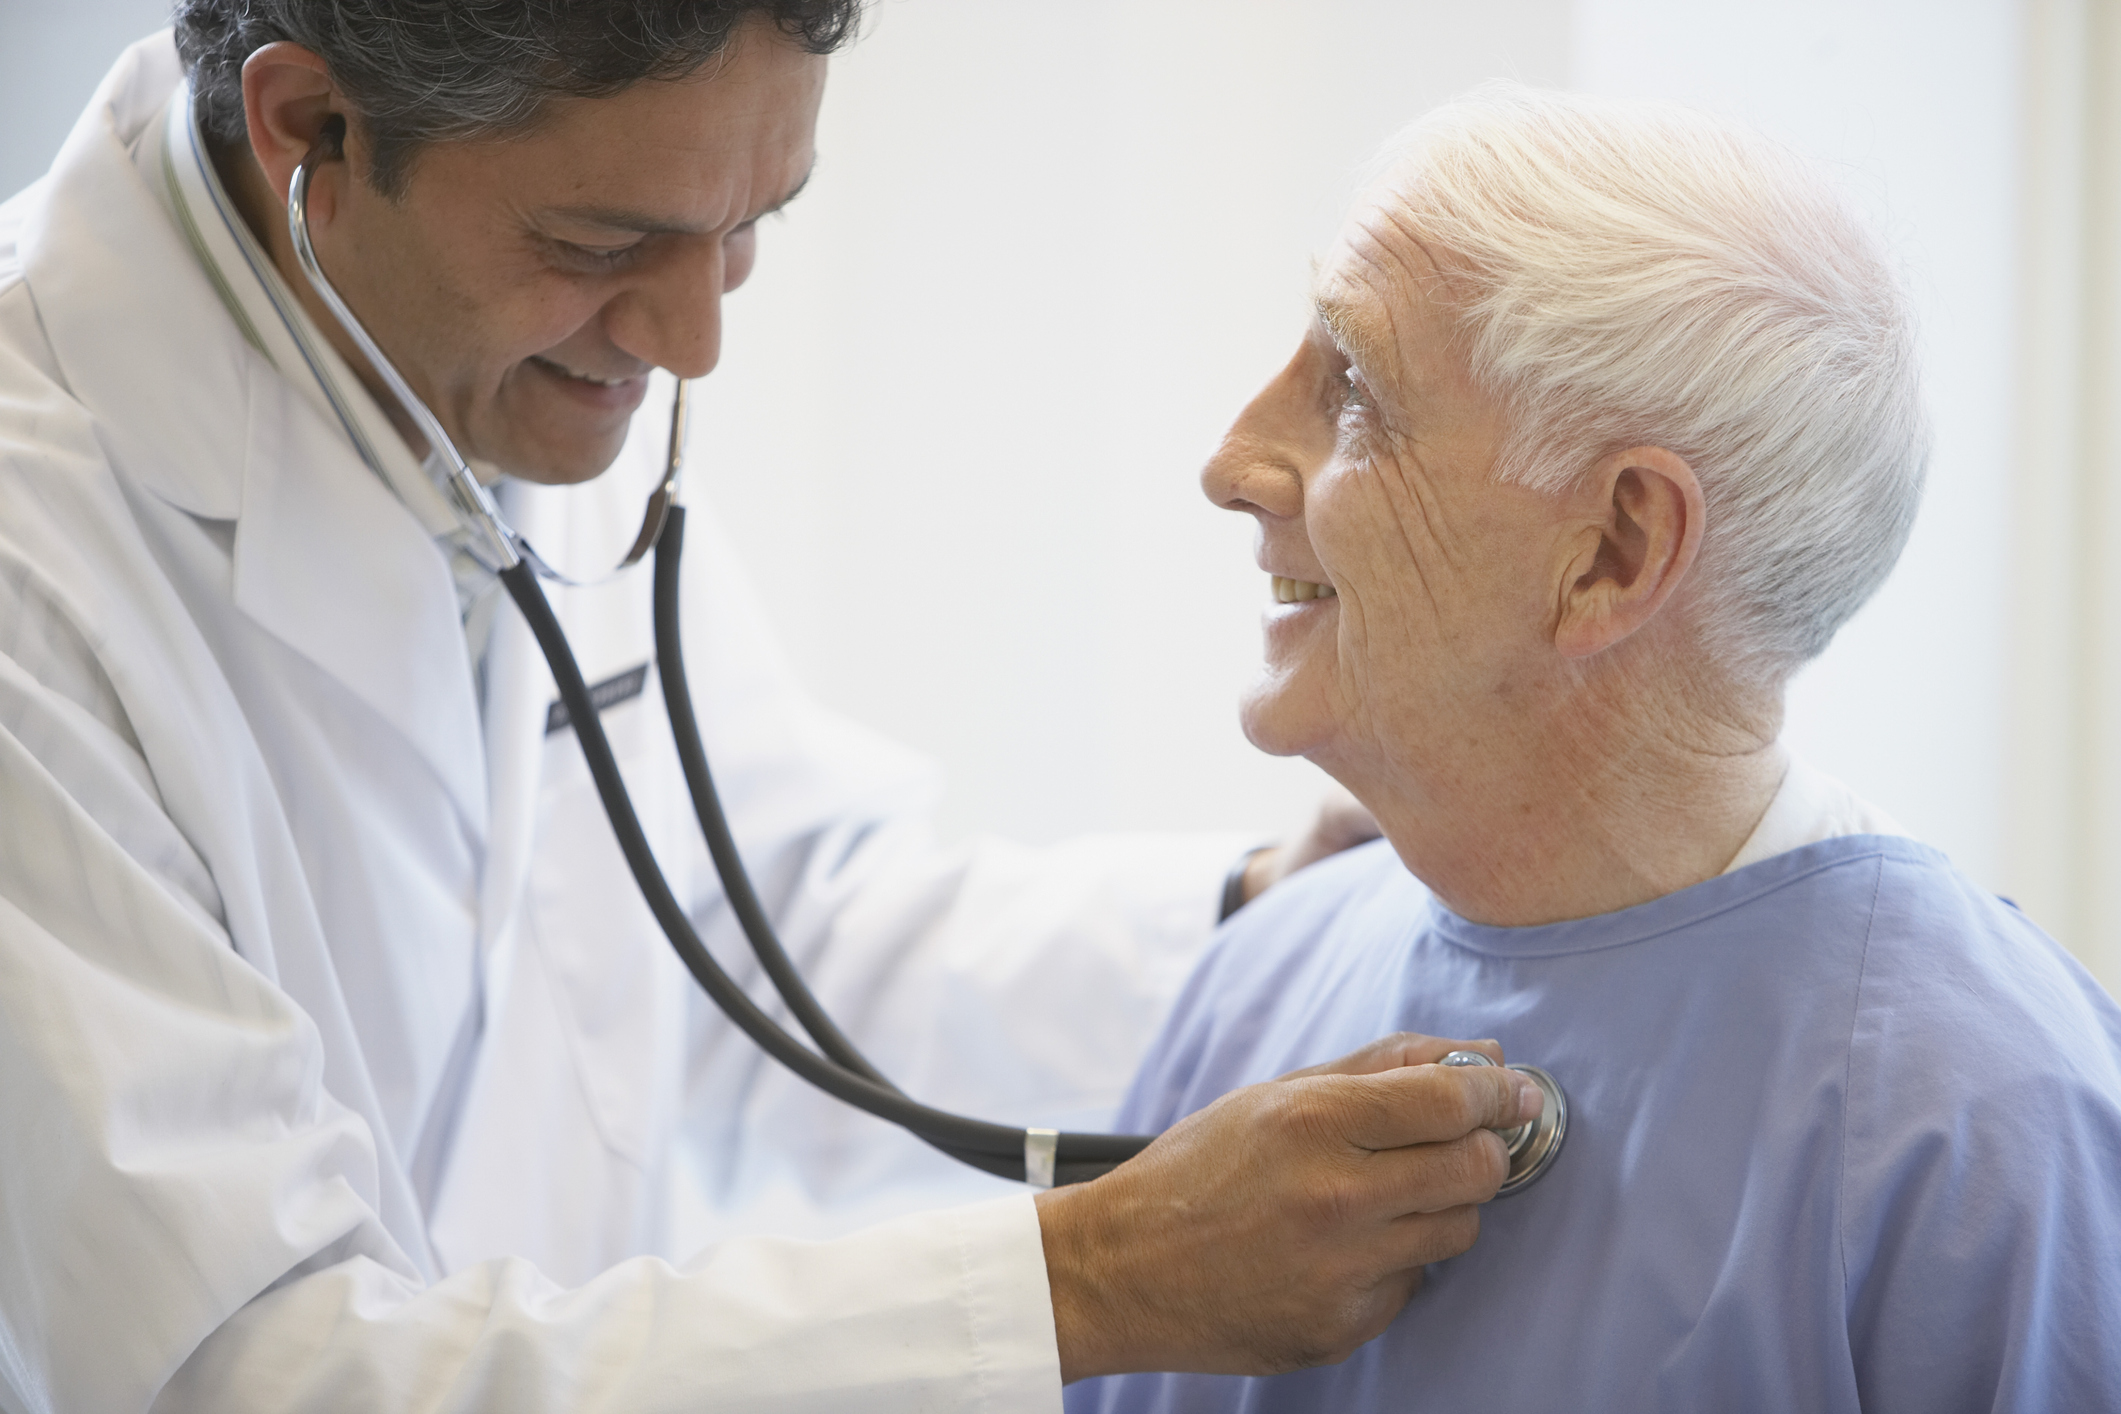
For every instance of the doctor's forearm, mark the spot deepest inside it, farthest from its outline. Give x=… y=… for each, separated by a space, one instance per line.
x=934 y=1311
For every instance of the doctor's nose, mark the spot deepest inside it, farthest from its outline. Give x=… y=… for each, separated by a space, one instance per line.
x=674 y=319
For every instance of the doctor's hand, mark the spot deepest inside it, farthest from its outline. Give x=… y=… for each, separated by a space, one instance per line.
x=1286 y=1223
x=1342 y=822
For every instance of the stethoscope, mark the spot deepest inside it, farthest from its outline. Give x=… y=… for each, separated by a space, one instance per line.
x=1042 y=1158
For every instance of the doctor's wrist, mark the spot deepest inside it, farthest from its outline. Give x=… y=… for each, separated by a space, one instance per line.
x=1083 y=1328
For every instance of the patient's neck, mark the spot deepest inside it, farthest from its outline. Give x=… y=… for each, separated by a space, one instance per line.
x=1630 y=784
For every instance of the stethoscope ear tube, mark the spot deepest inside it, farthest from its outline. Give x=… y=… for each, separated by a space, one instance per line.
x=842 y=1071
x=488 y=538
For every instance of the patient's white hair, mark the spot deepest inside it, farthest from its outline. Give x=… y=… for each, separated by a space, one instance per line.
x=1626 y=274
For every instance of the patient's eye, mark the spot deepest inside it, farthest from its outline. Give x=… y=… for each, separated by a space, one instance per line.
x=1354 y=393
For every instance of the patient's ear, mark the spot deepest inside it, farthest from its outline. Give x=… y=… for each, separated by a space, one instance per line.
x=1644 y=524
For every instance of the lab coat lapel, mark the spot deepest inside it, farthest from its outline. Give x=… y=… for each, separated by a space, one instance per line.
x=332 y=564
x=326 y=558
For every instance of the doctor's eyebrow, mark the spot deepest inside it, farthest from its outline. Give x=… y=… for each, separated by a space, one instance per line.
x=619 y=218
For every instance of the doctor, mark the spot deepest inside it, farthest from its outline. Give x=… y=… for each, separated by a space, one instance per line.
x=340 y=1066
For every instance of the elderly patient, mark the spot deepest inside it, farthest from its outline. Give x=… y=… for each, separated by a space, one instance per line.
x=1607 y=421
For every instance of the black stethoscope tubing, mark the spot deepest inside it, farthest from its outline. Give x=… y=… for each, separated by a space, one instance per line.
x=841 y=1071
x=1039 y=1156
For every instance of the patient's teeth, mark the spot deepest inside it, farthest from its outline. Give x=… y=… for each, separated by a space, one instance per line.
x=1299 y=591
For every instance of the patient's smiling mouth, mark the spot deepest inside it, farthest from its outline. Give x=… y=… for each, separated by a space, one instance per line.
x=1297 y=591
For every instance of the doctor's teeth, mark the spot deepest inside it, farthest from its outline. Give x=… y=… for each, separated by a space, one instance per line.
x=580 y=377
x=1298 y=591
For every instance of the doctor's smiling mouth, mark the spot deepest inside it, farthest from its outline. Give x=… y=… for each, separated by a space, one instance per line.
x=620 y=394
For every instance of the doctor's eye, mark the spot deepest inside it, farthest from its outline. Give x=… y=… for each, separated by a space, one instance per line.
x=596 y=259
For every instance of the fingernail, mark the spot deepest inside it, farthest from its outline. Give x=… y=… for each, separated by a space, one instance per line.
x=1530 y=1101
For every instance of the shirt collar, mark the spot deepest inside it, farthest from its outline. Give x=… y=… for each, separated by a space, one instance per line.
x=1809 y=806
x=172 y=156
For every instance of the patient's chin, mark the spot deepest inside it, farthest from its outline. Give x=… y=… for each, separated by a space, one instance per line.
x=1278 y=719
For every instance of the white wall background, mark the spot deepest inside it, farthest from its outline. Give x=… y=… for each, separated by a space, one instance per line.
x=52 y=54
x=1051 y=248
x=1048 y=252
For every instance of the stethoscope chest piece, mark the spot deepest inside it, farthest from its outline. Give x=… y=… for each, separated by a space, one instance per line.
x=1533 y=1145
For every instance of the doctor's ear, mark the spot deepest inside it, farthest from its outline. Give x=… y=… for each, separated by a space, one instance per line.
x=1644 y=518
x=291 y=108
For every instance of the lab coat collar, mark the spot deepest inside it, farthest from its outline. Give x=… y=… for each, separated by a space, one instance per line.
x=327 y=558
x=172 y=157
x=135 y=329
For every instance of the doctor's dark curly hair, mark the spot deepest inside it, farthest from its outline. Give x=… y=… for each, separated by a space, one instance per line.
x=421 y=71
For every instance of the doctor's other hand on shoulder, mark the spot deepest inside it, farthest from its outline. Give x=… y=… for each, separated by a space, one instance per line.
x=1340 y=822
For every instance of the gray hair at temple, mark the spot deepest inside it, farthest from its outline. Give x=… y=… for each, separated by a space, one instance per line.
x=421 y=71
x=1626 y=274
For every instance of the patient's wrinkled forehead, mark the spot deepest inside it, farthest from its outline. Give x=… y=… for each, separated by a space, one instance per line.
x=1378 y=293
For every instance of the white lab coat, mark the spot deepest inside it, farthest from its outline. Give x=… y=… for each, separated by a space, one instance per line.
x=340 y=1064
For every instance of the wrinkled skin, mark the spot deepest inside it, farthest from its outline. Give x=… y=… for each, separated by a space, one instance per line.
x=1510 y=679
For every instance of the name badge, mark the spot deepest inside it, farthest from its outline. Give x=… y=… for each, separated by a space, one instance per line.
x=604 y=695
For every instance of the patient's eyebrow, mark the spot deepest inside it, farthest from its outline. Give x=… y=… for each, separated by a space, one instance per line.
x=1353 y=331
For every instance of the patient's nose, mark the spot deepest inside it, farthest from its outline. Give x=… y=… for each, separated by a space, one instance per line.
x=1251 y=472
x=1259 y=468
x=1232 y=483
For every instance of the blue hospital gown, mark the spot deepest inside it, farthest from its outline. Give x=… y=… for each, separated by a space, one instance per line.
x=1845 y=1133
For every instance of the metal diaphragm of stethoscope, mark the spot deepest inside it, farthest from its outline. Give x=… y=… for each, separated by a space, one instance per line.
x=1042 y=1158
x=1533 y=1145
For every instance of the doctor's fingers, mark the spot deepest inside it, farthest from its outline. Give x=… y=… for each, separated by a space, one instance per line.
x=1398 y=1050
x=1428 y=1179
x=1418 y=1239
x=1423 y=1104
